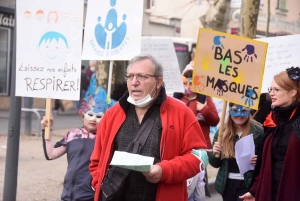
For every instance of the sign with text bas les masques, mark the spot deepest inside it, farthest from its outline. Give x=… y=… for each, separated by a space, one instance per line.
x=229 y=67
x=113 y=29
x=49 y=35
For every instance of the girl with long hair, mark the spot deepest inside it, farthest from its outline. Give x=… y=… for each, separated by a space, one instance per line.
x=229 y=182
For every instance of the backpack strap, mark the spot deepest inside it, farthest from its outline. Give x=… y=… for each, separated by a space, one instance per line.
x=140 y=139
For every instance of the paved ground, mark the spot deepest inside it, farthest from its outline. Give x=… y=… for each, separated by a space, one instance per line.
x=39 y=179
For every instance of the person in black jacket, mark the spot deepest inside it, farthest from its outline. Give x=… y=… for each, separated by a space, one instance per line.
x=264 y=108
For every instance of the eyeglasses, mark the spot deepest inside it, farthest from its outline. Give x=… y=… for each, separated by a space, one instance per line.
x=275 y=90
x=139 y=76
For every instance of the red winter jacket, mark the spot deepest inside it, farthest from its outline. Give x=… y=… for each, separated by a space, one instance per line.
x=181 y=134
x=210 y=114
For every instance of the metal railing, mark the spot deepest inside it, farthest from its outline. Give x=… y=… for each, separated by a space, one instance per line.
x=37 y=112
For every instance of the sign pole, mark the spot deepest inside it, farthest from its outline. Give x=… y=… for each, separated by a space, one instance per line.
x=111 y=66
x=220 y=136
x=13 y=137
x=48 y=116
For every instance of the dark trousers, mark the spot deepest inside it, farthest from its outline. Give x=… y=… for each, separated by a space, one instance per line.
x=233 y=189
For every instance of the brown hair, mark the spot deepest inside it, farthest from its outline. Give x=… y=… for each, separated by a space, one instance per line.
x=283 y=80
x=230 y=131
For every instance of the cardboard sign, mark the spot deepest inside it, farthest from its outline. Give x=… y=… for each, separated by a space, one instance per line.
x=163 y=50
x=229 y=67
x=113 y=30
x=283 y=53
x=49 y=35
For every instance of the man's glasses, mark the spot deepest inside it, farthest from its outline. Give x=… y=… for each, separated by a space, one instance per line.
x=275 y=90
x=139 y=76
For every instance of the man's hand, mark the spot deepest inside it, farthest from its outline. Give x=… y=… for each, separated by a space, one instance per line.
x=154 y=175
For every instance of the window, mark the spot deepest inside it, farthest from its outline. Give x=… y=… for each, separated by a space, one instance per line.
x=4 y=60
x=281 y=5
x=150 y=4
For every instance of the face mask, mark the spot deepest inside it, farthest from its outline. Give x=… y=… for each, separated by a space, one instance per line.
x=188 y=91
x=202 y=155
x=91 y=116
x=93 y=69
x=239 y=111
x=187 y=81
x=144 y=102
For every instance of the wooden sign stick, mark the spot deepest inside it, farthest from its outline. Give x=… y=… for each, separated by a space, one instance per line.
x=48 y=116
x=220 y=136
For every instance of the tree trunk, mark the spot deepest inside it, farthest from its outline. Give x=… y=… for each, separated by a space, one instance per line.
x=119 y=70
x=248 y=18
x=268 y=19
x=217 y=16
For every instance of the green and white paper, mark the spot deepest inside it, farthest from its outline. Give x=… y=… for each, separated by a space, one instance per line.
x=131 y=161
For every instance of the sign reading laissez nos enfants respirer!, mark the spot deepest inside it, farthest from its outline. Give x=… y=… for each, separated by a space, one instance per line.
x=49 y=41
x=229 y=67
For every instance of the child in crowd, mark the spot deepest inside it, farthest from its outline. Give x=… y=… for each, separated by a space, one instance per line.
x=199 y=104
x=78 y=144
x=229 y=182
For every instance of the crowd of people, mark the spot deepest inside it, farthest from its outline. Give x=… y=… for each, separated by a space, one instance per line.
x=139 y=117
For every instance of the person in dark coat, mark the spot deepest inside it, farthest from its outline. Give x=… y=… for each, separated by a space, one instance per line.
x=277 y=175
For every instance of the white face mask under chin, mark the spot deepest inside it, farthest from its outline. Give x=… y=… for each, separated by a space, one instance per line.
x=144 y=102
x=93 y=69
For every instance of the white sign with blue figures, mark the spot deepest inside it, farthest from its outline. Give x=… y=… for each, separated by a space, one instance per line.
x=112 y=29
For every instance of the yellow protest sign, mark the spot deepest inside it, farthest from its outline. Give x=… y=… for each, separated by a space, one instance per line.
x=229 y=67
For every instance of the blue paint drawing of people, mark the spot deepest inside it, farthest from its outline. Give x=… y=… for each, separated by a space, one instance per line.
x=110 y=36
x=53 y=47
x=109 y=33
x=119 y=34
x=100 y=34
x=112 y=16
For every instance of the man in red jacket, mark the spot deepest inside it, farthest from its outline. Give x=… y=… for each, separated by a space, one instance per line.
x=175 y=135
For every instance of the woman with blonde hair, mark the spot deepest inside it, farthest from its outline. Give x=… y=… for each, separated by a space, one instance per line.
x=229 y=182
x=277 y=175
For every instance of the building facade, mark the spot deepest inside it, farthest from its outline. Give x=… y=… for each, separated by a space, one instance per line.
x=7 y=21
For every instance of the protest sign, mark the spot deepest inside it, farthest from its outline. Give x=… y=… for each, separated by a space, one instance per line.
x=112 y=30
x=229 y=67
x=49 y=35
x=283 y=53
x=163 y=50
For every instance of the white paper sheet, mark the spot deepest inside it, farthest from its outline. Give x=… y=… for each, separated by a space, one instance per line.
x=244 y=150
x=132 y=161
